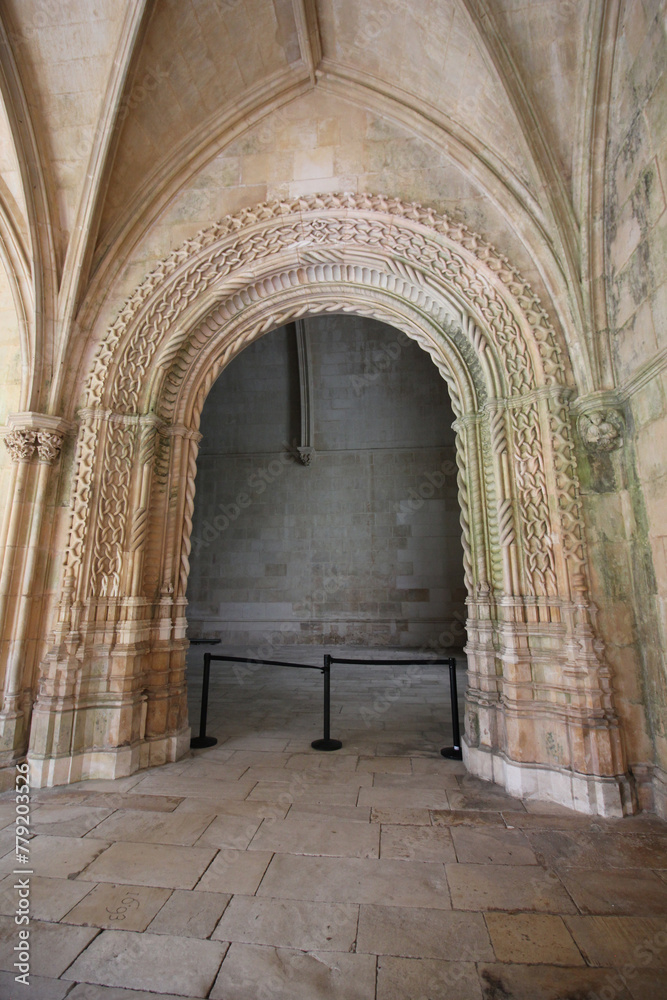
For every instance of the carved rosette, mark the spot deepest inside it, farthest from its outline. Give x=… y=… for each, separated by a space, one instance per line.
x=601 y=430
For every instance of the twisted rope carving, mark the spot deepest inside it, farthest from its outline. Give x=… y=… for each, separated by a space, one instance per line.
x=462 y=483
x=186 y=543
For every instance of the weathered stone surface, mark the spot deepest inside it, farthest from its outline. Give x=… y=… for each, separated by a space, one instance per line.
x=293 y=975
x=154 y=962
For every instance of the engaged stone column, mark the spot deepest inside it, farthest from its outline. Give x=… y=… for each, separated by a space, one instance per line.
x=34 y=442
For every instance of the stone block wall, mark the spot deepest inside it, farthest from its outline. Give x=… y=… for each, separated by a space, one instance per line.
x=363 y=546
x=629 y=514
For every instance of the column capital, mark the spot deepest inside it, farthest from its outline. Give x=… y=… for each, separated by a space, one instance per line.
x=29 y=433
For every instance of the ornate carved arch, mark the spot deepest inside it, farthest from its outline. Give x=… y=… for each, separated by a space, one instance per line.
x=540 y=712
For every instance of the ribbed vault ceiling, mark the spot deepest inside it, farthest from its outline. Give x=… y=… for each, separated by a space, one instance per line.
x=112 y=106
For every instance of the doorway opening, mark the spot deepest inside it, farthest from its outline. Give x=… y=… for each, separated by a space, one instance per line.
x=327 y=518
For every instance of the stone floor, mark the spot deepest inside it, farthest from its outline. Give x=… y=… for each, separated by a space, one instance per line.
x=262 y=870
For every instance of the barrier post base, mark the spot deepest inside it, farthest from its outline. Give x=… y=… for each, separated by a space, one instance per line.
x=326 y=744
x=452 y=753
x=199 y=742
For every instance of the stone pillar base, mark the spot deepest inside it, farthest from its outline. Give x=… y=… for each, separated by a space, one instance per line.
x=119 y=762
x=596 y=796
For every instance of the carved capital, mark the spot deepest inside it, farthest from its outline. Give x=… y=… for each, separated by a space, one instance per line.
x=601 y=430
x=21 y=444
x=49 y=444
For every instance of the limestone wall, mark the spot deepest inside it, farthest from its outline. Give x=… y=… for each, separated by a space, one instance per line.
x=361 y=546
x=630 y=512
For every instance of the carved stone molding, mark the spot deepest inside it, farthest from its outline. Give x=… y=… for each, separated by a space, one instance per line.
x=419 y=246
x=601 y=430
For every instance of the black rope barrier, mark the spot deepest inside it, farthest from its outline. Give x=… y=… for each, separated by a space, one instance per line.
x=326 y=743
x=454 y=752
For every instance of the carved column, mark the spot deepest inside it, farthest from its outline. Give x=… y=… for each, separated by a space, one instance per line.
x=34 y=442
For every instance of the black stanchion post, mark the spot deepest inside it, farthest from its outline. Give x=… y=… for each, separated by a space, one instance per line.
x=327 y=743
x=198 y=742
x=455 y=752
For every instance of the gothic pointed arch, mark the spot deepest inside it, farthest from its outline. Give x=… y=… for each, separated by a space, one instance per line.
x=540 y=713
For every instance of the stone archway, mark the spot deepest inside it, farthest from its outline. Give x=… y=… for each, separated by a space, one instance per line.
x=540 y=718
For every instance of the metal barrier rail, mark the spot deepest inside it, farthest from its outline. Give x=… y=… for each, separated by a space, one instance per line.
x=326 y=743
x=451 y=753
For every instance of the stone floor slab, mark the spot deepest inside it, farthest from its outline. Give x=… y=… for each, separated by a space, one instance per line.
x=585 y=849
x=385 y=765
x=50 y=898
x=53 y=819
x=234 y=832
x=118 y=907
x=544 y=982
x=418 y=978
x=356 y=880
x=38 y=988
x=293 y=975
x=404 y=798
x=437 y=765
x=415 y=932
x=90 y=991
x=416 y=843
x=398 y=816
x=53 y=947
x=131 y=800
x=155 y=962
x=189 y=787
x=235 y=871
x=335 y=793
x=231 y=807
x=323 y=761
x=462 y=817
x=645 y=984
x=287 y=923
x=620 y=941
x=623 y=891
x=139 y=825
x=353 y=814
x=507 y=887
x=316 y=835
x=163 y=865
x=492 y=846
x=59 y=857
x=190 y=914
x=428 y=782
x=534 y=938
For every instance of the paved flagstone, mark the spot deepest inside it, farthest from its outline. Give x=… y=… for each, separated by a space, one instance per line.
x=381 y=872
